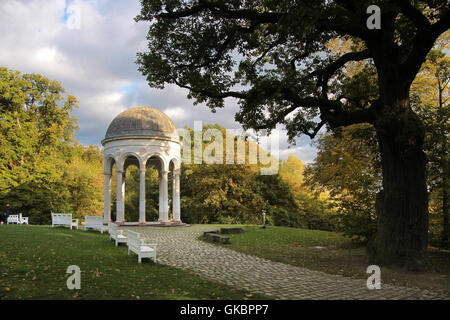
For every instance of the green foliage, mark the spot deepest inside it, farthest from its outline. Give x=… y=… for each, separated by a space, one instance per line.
x=282 y=209
x=42 y=168
x=347 y=166
x=314 y=211
x=430 y=96
x=273 y=56
x=233 y=193
x=219 y=194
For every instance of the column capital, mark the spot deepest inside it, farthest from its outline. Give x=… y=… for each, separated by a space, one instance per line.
x=107 y=173
x=120 y=171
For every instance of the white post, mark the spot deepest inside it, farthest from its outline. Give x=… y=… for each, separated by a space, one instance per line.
x=123 y=197
x=120 y=197
x=165 y=197
x=107 y=199
x=142 y=196
x=176 y=196
x=160 y=203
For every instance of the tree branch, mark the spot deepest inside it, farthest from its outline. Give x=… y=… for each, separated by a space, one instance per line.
x=316 y=130
x=413 y=14
x=422 y=44
x=213 y=95
x=326 y=73
x=220 y=9
x=442 y=25
x=329 y=70
x=210 y=60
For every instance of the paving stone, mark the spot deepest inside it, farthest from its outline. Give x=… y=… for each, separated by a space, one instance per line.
x=180 y=248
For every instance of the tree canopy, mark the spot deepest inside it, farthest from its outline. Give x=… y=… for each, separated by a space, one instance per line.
x=275 y=58
x=273 y=55
x=42 y=166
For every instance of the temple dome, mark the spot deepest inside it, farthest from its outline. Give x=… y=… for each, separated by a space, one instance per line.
x=142 y=122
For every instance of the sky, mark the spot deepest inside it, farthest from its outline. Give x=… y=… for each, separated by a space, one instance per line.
x=90 y=47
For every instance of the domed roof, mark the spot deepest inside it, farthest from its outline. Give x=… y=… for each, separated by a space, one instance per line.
x=142 y=121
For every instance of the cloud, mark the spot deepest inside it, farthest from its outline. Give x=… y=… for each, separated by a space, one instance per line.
x=90 y=47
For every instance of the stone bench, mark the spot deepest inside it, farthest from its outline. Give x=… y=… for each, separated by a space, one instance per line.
x=231 y=230
x=213 y=231
x=214 y=237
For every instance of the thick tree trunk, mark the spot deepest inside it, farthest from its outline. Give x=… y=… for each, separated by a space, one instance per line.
x=402 y=206
x=445 y=229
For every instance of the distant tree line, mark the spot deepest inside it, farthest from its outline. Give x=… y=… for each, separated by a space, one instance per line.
x=43 y=169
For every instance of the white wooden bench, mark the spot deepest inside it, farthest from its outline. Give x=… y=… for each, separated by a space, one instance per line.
x=17 y=219
x=23 y=220
x=64 y=219
x=116 y=234
x=143 y=248
x=93 y=222
x=13 y=218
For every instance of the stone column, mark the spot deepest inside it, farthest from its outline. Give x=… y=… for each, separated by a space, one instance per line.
x=120 y=208
x=160 y=203
x=165 y=197
x=107 y=199
x=142 y=196
x=176 y=196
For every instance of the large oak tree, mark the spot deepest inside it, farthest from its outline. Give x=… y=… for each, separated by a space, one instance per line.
x=272 y=55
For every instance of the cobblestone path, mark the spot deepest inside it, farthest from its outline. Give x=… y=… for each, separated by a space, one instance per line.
x=179 y=247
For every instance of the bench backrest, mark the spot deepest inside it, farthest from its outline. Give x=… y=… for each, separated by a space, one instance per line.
x=61 y=218
x=133 y=240
x=112 y=229
x=93 y=220
x=13 y=218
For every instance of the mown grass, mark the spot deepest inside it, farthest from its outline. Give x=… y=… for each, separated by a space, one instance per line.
x=332 y=253
x=34 y=260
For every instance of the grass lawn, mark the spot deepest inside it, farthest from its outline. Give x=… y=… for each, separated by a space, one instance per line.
x=337 y=255
x=34 y=260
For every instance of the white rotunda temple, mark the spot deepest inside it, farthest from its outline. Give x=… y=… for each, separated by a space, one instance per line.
x=144 y=137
